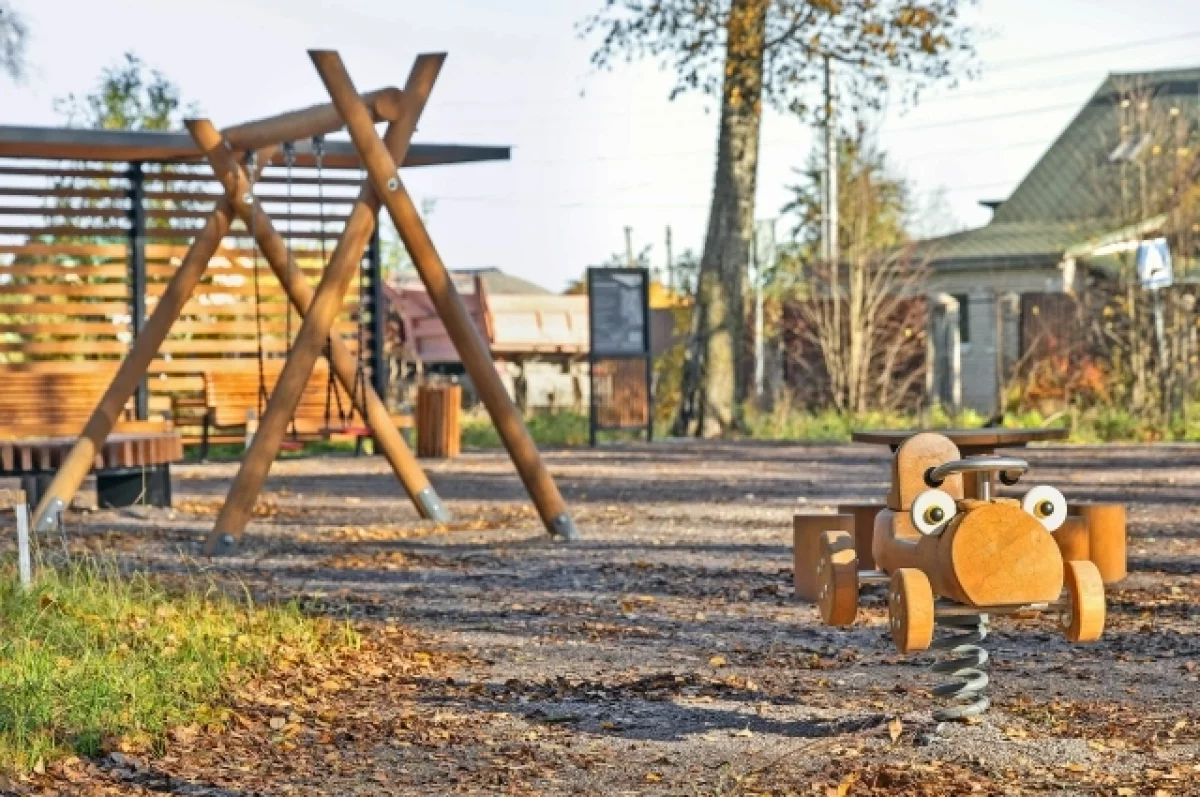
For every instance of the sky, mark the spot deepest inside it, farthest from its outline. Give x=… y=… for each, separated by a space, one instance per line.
x=595 y=152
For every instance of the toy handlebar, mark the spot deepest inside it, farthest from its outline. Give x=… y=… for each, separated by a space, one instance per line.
x=1009 y=468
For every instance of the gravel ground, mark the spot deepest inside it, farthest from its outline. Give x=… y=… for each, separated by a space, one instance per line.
x=664 y=653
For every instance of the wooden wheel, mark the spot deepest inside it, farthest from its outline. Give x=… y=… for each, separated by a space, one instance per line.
x=1084 y=619
x=910 y=610
x=837 y=578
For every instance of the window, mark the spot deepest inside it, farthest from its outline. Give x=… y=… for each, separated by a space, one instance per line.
x=964 y=318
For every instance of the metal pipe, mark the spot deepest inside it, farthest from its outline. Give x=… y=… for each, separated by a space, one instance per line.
x=962 y=610
x=137 y=271
x=1004 y=465
x=472 y=349
x=384 y=105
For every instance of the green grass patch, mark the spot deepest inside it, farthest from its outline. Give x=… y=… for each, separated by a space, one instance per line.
x=550 y=429
x=89 y=658
x=785 y=422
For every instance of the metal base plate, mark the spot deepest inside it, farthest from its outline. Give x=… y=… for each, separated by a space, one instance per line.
x=563 y=527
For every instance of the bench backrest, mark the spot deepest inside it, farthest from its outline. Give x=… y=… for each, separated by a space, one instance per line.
x=38 y=402
x=231 y=395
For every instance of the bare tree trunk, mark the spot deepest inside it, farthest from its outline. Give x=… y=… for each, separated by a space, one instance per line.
x=719 y=294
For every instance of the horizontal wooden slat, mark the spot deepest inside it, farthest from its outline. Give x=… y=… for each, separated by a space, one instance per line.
x=113 y=233
x=63 y=329
x=55 y=212
x=42 y=171
x=64 y=308
x=267 y=198
x=75 y=290
x=65 y=249
x=65 y=192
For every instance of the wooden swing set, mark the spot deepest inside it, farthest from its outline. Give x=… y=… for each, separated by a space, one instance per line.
x=237 y=156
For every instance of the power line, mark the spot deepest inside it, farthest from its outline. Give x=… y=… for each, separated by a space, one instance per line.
x=1003 y=65
x=989 y=118
x=1017 y=63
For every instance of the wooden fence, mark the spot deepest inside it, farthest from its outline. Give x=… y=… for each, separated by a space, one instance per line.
x=86 y=251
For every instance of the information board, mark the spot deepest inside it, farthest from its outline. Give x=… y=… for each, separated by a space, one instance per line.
x=617 y=303
x=619 y=354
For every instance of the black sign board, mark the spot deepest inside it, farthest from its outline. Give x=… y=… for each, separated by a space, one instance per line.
x=619 y=354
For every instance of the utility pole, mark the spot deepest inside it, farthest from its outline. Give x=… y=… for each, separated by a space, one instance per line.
x=831 y=167
x=628 y=246
x=670 y=261
x=760 y=265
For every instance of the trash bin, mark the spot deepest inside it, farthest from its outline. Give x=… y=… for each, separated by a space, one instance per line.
x=438 y=421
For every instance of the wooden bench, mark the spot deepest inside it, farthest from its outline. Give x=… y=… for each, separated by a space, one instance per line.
x=231 y=402
x=39 y=402
x=42 y=412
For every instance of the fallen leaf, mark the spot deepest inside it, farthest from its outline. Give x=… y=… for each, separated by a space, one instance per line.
x=717 y=661
x=895 y=728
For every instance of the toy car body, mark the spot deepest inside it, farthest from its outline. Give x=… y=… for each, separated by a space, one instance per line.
x=985 y=554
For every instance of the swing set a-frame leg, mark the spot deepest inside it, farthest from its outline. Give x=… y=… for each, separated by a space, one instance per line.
x=317 y=120
x=476 y=357
x=319 y=317
x=79 y=461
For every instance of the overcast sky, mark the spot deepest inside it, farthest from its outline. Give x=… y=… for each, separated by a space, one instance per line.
x=592 y=152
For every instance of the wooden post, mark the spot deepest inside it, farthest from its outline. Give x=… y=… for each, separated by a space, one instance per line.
x=384 y=176
x=78 y=463
x=319 y=317
x=439 y=433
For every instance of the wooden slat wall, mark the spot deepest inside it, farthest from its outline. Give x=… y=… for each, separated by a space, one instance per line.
x=64 y=268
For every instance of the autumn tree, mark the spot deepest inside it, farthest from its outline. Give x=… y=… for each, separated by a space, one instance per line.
x=128 y=96
x=14 y=34
x=860 y=315
x=747 y=52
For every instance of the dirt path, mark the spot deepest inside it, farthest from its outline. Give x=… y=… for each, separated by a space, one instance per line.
x=664 y=652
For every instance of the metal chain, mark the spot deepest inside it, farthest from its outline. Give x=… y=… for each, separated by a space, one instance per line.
x=331 y=390
x=252 y=169
x=289 y=160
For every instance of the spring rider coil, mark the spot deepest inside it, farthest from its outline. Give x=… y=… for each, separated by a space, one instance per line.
x=952 y=562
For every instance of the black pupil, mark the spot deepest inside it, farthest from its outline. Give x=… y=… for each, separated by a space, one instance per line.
x=1046 y=508
x=936 y=513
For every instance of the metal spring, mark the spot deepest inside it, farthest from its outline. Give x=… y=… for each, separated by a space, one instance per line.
x=964 y=666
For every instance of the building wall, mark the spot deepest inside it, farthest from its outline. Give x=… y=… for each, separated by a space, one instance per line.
x=984 y=338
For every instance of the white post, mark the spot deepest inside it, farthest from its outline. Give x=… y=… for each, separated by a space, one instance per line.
x=24 y=559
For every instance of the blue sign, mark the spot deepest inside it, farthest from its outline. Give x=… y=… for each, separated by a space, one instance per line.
x=1154 y=264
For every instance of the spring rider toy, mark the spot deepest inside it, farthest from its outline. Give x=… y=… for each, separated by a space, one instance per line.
x=954 y=560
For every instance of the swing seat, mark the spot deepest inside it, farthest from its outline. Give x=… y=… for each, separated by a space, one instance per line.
x=347 y=431
x=291 y=445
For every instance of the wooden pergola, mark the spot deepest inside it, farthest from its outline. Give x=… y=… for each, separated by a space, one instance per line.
x=238 y=159
x=93 y=223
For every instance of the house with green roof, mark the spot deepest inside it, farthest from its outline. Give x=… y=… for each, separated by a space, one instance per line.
x=1124 y=170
